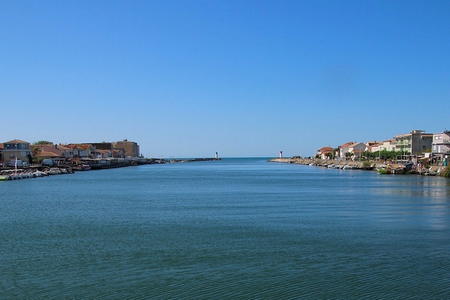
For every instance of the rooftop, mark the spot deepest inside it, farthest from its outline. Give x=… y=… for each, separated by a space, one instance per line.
x=346 y=145
x=421 y=132
x=325 y=149
x=47 y=151
x=103 y=151
x=48 y=154
x=63 y=147
x=79 y=146
x=353 y=144
x=16 y=142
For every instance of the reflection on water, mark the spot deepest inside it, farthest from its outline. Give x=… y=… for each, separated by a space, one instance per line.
x=418 y=186
x=238 y=228
x=418 y=195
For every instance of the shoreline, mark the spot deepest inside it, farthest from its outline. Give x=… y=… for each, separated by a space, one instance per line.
x=36 y=171
x=382 y=167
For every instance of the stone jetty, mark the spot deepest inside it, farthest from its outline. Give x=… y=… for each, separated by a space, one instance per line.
x=383 y=167
x=33 y=173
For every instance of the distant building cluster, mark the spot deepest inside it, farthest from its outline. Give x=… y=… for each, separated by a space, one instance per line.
x=417 y=143
x=23 y=153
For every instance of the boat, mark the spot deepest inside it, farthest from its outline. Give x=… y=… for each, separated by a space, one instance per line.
x=83 y=167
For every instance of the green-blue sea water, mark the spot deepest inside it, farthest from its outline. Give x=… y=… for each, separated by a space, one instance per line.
x=232 y=229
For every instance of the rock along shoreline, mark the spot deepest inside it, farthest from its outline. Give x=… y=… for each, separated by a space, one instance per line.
x=382 y=167
x=36 y=171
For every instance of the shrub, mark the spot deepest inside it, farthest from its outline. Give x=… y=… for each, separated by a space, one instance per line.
x=43 y=143
x=384 y=171
x=446 y=172
x=367 y=165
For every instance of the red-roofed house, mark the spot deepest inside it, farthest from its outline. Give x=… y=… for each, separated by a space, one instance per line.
x=82 y=150
x=373 y=146
x=344 y=149
x=99 y=153
x=352 y=149
x=47 y=151
x=325 y=152
x=67 y=152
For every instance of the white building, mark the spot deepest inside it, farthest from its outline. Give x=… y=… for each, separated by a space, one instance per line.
x=373 y=146
x=388 y=145
x=441 y=143
x=352 y=149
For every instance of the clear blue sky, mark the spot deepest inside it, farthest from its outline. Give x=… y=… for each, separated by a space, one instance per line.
x=188 y=78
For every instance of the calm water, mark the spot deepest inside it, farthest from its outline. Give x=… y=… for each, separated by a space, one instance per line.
x=239 y=228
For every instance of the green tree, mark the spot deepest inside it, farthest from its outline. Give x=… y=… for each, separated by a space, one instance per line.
x=43 y=143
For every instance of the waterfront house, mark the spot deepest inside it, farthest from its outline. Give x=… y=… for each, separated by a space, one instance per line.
x=344 y=149
x=325 y=153
x=48 y=154
x=414 y=143
x=357 y=149
x=66 y=151
x=120 y=149
x=388 y=145
x=118 y=153
x=1 y=154
x=85 y=150
x=82 y=150
x=99 y=153
x=441 y=144
x=373 y=146
x=16 y=149
x=108 y=149
x=51 y=149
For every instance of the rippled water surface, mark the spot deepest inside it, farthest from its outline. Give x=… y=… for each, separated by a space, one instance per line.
x=239 y=228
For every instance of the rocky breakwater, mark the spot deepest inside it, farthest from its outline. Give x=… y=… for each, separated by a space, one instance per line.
x=193 y=160
x=33 y=173
x=86 y=165
x=330 y=163
x=382 y=167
